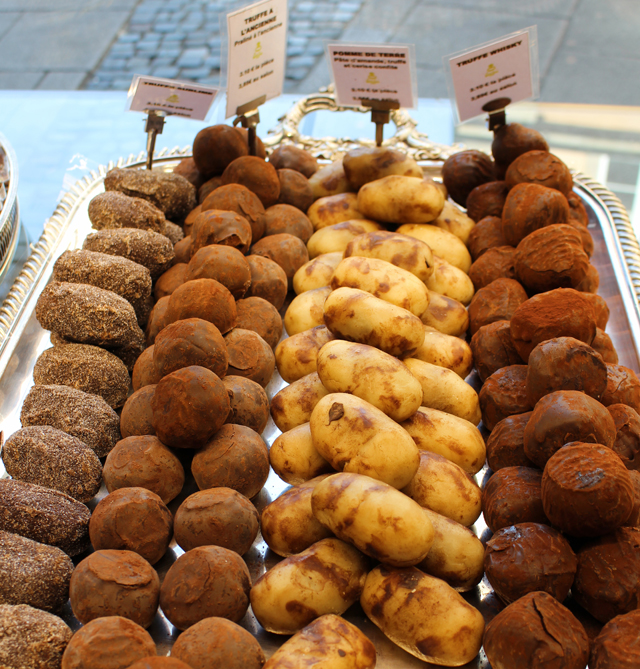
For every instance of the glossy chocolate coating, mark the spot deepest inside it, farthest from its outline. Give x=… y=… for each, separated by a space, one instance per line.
x=627 y=442
x=496 y=302
x=505 y=445
x=504 y=394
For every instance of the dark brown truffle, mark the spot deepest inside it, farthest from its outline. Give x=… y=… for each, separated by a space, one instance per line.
x=496 y=301
x=250 y=356
x=113 y=210
x=564 y=363
x=562 y=417
x=504 y=394
x=208 y=187
x=136 y=418
x=227 y=228
x=513 y=495
x=182 y=250
x=218 y=583
x=464 y=171
x=493 y=349
x=115 y=583
x=238 y=198
x=258 y=315
x=513 y=139
x=133 y=519
x=577 y=211
x=540 y=167
x=495 y=263
x=618 y=644
x=52 y=458
x=529 y=557
x=108 y=643
x=536 y=631
x=627 y=441
x=586 y=490
x=249 y=403
x=44 y=515
x=216 y=517
x=144 y=371
x=289 y=156
x=295 y=190
x=268 y=280
x=236 y=457
x=604 y=346
x=189 y=406
x=83 y=415
x=144 y=462
x=257 y=175
x=487 y=200
x=284 y=249
x=486 y=234
x=216 y=146
x=31 y=638
x=623 y=387
x=225 y=264
x=187 y=168
x=170 y=280
x=283 y=218
x=157 y=320
x=203 y=298
x=505 y=445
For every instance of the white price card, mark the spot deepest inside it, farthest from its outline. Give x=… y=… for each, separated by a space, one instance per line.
x=177 y=98
x=373 y=72
x=489 y=77
x=257 y=52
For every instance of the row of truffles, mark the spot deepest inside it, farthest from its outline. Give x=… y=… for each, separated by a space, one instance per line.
x=198 y=365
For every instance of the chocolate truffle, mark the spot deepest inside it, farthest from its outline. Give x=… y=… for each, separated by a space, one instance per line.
x=248 y=401
x=157 y=319
x=159 y=663
x=504 y=394
x=215 y=226
x=208 y=187
x=512 y=140
x=182 y=250
x=268 y=280
x=250 y=356
x=260 y=316
x=238 y=198
x=203 y=298
x=170 y=280
x=284 y=218
x=225 y=264
x=604 y=346
x=216 y=146
x=505 y=445
x=144 y=371
x=295 y=190
x=623 y=387
x=627 y=441
x=495 y=263
x=540 y=167
x=136 y=418
x=465 y=170
x=289 y=156
x=486 y=234
x=618 y=644
x=284 y=249
x=187 y=168
x=487 y=200
x=497 y=301
x=257 y=175
x=112 y=210
x=493 y=349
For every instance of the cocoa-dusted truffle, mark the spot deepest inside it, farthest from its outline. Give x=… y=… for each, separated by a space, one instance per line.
x=112 y=642
x=182 y=250
x=157 y=320
x=144 y=462
x=33 y=573
x=529 y=207
x=504 y=394
x=52 y=458
x=217 y=642
x=487 y=200
x=513 y=495
x=486 y=234
x=83 y=415
x=189 y=406
x=215 y=226
x=170 y=280
x=562 y=312
x=218 y=583
x=464 y=171
x=495 y=263
x=604 y=346
x=136 y=418
x=238 y=198
x=144 y=371
x=551 y=257
x=188 y=342
x=249 y=403
x=268 y=280
x=295 y=190
x=250 y=356
x=225 y=264
x=44 y=515
x=536 y=631
x=216 y=146
x=115 y=583
x=159 y=663
x=284 y=249
x=150 y=249
x=496 y=301
x=565 y=363
x=187 y=168
x=586 y=490
x=113 y=210
x=216 y=517
x=208 y=187
x=512 y=140
x=618 y=644
x=528 y=557
x=203 y=298
x=236 y=457
x=540 y=167
x=562 y=417
x=171 y=193
x=607 y=582
x=289 y=156
x=577 y=211
x=627 y=441
x=31 y=638
x=284 y=218
x=600 y=307
x=257 y=175
x=623 y=387
x=493 y=349
x=133 y=519
x=505 y=445
x=258 y=315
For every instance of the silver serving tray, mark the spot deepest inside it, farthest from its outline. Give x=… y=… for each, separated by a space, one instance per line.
x=617 y=257
x=10 y=214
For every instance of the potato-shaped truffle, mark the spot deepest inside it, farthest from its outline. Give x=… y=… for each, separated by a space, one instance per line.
x=289 y=156
x=603 y=345
x=540 y=167
x=225 y=264
x=250 y=356
x=216 y=146
x=627 y=441
x=493 y=349
x=487 y=199
x=505 y=445
x=268 y=280
x=157 y=320
x=623 y=387
x=220 y=227
x=465 y=170
x=486 y=234
x=144 y=371
x=249 y=403
x=504 y=394
x=136 y=418
x=260 y=316
x=617 y=646
x=257 y=175
x=496 y=301
x=203 y=298
x=512 y=140
x=496 y=263
x=284 y=218
x=295 y=190
x=284 y=249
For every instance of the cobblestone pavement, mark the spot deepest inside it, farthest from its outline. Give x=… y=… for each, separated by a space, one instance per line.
x=180 y=39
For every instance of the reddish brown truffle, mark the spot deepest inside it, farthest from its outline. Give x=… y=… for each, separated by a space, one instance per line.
x=513 y=495
x=258 y=315
x=144 y=371
x=216 y=517
x=627 y=441
x=108 y=643
x=504 y=394
x=562 y=417
x=215 y=226
x=497 y=301
x=136 y=418
x=285 y=219
x=493 y=349
x=250 y=356
x=505 y=445
x=225 y=264
x=284 y=249
x=132 y=519
x=564 y=363
x=529 y=207
x=187 y=168
x=540 y=167
x=487 y=200
x=562 y=312
x=295 y=190
x=115 y=583
x=623 y=387
x=586 y=490
x=577 y=211
x=144 y=462
x=170 y=280
x=618 y=644
x=188 y=221
x=268 y=280
x=189 y=406
x=218 y=583
x=249 y=403
x=289 y=156
x=157 y=319
x=236 y=457
x=465 y=170
x=485 y=234
x=495 y=263
x=216 y=146
x=188 y=342
x=257 y=175
x=203 y=298
x=238 y=198
x=536 y=632
x=513 y=139
x=604 y=346
x=182 y=250
x=607 y=582
x=208 y=187
x=159 y=663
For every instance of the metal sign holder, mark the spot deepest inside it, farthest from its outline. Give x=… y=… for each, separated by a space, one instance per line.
x=153 y=127
x=380 y=114
x=249 y=117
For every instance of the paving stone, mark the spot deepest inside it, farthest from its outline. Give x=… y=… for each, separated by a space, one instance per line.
x=177 y=36
x=195 y=73
x=213 y=62
x=297 y=74
x=192 y=57
x=113 y=64
x=169 y=52
x=163 y=62
x=164 y=27
x=123 y=50
x=301 y=61
x=166 y=72
x=137 y=63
